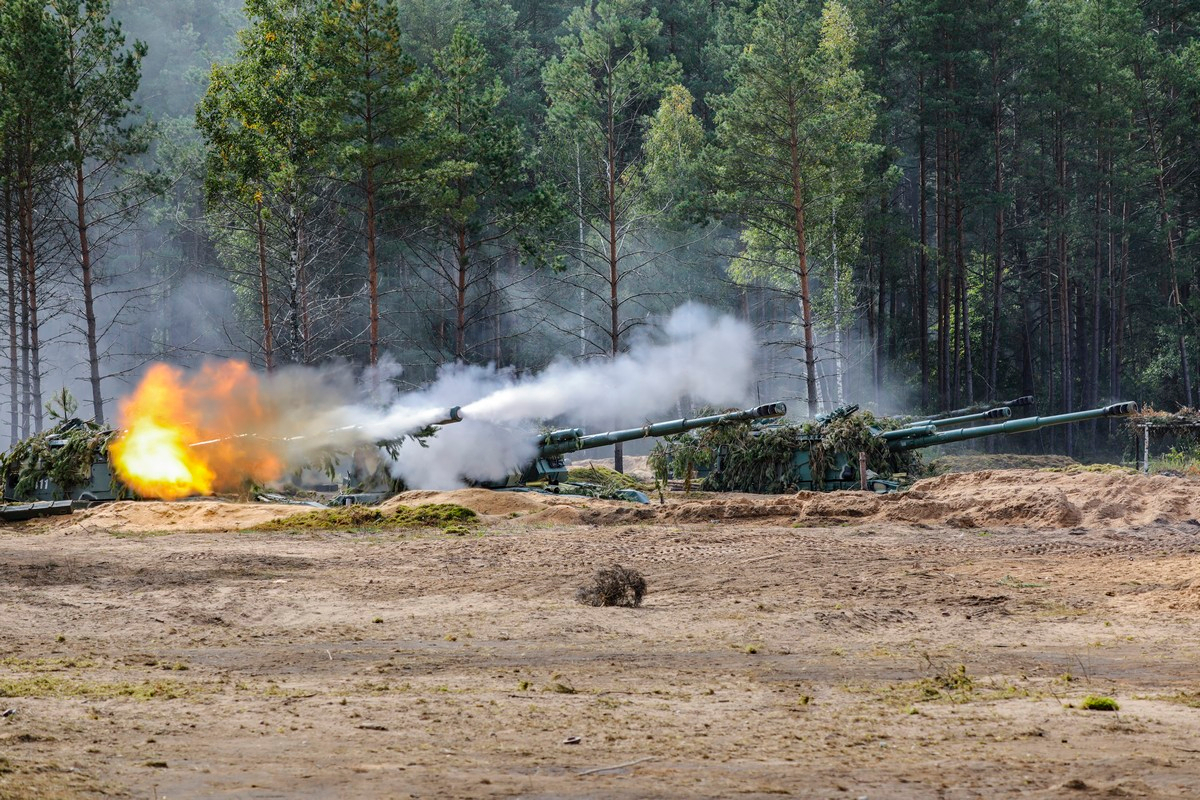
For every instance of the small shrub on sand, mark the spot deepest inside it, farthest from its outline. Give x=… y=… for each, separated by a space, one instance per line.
x=430 y=515
x=615 y=586
x=1098 y=703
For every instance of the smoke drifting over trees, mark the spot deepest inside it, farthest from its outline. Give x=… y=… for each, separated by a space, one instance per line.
x=910 y=205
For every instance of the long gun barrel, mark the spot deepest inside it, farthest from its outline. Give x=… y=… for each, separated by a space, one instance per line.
x=570 y=440
x=452 y=417
x=926 y=427
x=1016 y=402
x=999 y=412
x=932 y=437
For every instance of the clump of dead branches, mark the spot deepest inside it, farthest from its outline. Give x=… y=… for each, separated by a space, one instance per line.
x=614 y=586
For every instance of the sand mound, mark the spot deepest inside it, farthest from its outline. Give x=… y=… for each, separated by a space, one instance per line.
x=481 y=501
x=1018 y=498
x=1027 y=498
x=184 y=515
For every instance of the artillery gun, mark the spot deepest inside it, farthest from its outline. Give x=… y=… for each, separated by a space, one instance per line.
x=549 y=467
x=69 y=463
x=825 y=456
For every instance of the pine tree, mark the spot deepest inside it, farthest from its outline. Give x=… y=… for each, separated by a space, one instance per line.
x=602 y=90
x=102 y=76
x=379 y=123
x=792 y=138
x=265 y=124
x=488 y=210
x=32 y=75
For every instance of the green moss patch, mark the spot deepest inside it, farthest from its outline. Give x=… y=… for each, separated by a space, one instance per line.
x=46 y=664
x=430 y=515
x=1098 y=703
x=49 y=686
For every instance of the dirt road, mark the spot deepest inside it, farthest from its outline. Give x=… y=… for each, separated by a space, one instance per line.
x=780 y=651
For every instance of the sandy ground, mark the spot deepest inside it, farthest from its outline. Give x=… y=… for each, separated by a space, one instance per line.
x=937 y=643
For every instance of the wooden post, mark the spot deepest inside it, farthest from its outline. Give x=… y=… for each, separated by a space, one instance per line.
x=1146 y=449
x=862 y=471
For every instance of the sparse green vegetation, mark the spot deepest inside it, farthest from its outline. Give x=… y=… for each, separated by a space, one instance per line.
x=976 y=462
x=1095 y=702
x=1015 y=583
x=431 y=515
x=1189 y=699
x=46 y=664
x=48 y=686
x=954 y=685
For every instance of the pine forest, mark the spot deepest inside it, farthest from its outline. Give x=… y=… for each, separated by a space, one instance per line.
x=918 y=204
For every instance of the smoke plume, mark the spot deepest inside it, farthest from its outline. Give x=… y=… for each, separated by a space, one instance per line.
x=215 y=428
x=696 y=354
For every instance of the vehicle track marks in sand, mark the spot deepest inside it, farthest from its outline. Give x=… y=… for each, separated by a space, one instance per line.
x=775 y=652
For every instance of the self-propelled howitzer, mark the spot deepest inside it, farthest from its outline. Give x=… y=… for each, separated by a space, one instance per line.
x=825 y=456
x=550 y=467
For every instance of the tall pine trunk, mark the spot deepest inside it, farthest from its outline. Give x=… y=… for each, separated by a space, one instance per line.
x=372 y=259
x=614 y=305
x=998 y=255
x=34 y=373
x=10 y=268
x=462 y=256
x=264 y=288
x=923 y=252
x=798 y=229
x=87 y=278
x=1064 y=283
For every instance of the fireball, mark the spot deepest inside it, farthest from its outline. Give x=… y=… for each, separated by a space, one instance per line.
x=154 y=461
x=195 y=435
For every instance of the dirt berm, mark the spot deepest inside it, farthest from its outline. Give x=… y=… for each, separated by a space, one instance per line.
x=1025 y=498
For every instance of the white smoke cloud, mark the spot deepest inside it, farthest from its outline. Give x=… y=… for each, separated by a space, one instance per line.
x=301 y=414
x=696 y=354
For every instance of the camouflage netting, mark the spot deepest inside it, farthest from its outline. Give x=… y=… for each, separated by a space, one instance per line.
x=1182 y=420
x=69 y=466
x=756 y=460
x=603 y=477
x=760 y=459
x=1173 y=439
x=681 y=456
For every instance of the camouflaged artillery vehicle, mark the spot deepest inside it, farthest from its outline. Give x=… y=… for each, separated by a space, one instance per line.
x=848 y=450
x=548 y=471
x=69 y=465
